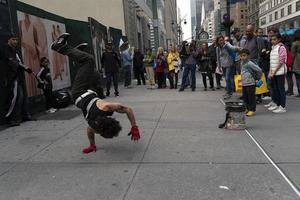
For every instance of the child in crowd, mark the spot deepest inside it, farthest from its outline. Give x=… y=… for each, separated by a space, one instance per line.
x=278 y=69
x=249 y=72
x=45 y=83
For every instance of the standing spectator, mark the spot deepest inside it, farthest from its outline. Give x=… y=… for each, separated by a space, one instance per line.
x=15 y=83
x=213 y=54
x=190 y=66
x=278 y=58
x=111 y=64
x=138 y=66
x=225 y=59
x=249 y=71
x=184 y=56
x=173 y=63
x=264 y=62
x=161 y=64
x=254 y=44
x=205 y=67
x=289 y=73
x=296 y=54
x=149 y=62
x=127 y=57
x=236 y=41
x=45 y=83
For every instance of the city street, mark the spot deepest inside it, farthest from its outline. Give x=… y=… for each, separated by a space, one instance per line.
x=182 y=154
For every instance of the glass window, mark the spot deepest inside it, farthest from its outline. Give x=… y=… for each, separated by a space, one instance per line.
x=242 y=16
x=270 y=18
x=289 y=9
x=276 y=15
x=297 y=5
x=263 y=21
x=282 y=12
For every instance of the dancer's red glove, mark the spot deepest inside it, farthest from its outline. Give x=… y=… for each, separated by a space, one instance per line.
x=135 y=133
x=89 y=149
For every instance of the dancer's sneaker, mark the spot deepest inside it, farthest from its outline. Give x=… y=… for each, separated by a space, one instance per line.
x=81 y=46
x=89 y=149
x=60 y=42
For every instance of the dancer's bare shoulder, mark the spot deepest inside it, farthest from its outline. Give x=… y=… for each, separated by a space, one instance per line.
x=110 y=107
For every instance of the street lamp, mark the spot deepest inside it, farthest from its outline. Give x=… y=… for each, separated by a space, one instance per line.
x=179 y=29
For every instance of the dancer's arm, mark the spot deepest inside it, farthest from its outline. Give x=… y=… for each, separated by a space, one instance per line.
x=117 y=107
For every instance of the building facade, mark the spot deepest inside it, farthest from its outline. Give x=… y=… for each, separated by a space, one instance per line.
x=137 y=19
x=239 y=13
x=171 y=23
x=281 y=14
x=253 y=12
x=133 y=17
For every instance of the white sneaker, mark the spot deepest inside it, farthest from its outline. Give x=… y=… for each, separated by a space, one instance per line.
x=266 y=98
x=270 y=104
x=51 y=110
x=280 y=109
x=274 y=107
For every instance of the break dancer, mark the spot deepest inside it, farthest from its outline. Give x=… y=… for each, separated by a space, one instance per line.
x=96 y=111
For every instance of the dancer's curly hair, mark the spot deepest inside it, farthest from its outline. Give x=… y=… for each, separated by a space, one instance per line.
x=107 y=127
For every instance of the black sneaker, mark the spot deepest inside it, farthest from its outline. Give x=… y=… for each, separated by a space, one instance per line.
x=107 y=94
x=117 y=94
x=181 y=90
x=60 y=42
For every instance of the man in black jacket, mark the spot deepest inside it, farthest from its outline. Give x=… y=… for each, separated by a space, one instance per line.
x=111 y=63
x=15 y=83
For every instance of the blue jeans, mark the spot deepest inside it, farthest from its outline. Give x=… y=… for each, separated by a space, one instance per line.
x=127 y=75
x=279 y=96
x=228 y=72
x=187 y=69
x=298 y=82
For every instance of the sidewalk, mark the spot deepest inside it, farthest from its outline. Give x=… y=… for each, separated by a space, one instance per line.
x=182 y=154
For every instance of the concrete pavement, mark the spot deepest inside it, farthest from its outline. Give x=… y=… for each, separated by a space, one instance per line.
x=182 y=154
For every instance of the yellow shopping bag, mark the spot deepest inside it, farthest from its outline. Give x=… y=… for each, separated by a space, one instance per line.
x=263 y=88
x=238 y=83
x=259 y=90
